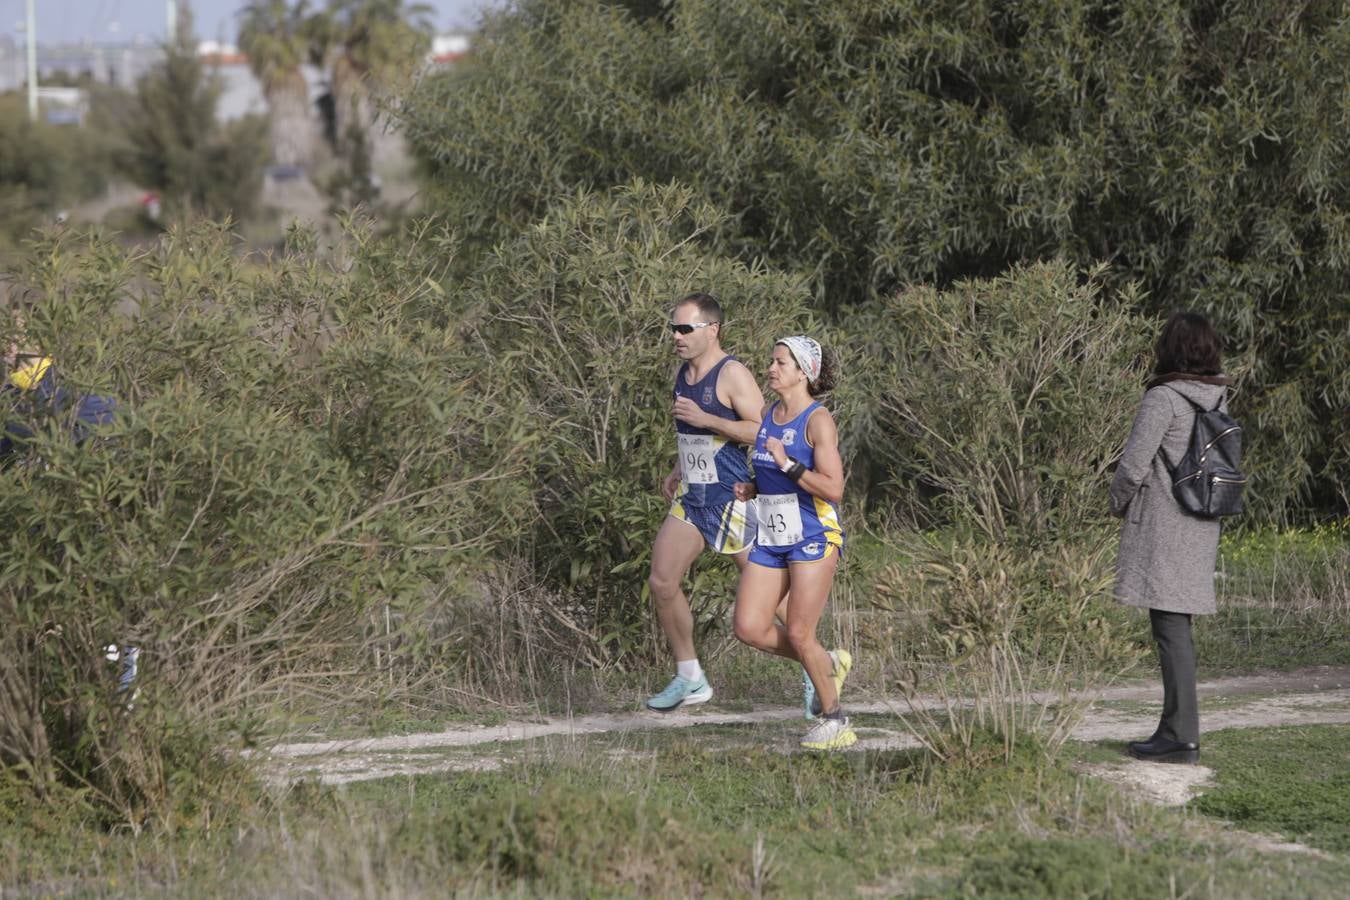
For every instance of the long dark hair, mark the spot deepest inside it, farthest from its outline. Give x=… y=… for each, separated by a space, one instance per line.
x=1190 y=345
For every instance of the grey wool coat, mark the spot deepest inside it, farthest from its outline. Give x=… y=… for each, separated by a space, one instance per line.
x=1166 y=559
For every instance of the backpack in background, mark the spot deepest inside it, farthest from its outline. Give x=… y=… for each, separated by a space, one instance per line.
x=1208 y=481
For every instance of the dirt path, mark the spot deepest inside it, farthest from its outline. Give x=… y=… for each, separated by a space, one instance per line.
x=1309 y=696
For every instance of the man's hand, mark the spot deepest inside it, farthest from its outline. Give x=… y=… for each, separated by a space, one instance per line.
x=745 y=490
x=669 y=484
x=689 y=412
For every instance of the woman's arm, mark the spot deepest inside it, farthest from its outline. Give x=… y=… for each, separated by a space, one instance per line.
x=1146 y=435
x=826 y=479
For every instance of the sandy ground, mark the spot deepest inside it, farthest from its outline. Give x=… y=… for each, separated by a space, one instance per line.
x=1310 y=696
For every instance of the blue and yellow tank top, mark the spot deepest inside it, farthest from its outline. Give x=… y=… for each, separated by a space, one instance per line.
x=787 y=514
x=709 y=463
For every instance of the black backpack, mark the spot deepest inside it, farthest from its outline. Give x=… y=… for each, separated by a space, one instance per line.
x=1208 y=481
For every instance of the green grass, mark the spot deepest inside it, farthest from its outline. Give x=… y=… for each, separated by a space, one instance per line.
x=734 y=810
x=1244 y=639
x=717 y=811
x=1284 y=601
x=1259 y=551
x=1289 y=781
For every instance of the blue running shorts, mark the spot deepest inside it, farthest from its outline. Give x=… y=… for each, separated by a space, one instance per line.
x=728 y=528
x=813 y=550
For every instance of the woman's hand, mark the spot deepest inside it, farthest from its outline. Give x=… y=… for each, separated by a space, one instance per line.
x=776 y=448
x=745 y=490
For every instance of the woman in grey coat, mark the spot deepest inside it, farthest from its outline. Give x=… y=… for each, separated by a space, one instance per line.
x=1167 y=556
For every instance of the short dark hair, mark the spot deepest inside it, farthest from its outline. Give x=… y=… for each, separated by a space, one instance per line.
x=1188 y=344
x=707 y=304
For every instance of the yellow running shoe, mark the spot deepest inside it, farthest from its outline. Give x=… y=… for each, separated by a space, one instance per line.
x=830 y=734
x=841 y=661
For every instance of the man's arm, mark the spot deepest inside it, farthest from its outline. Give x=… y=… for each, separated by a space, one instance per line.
x=742 y=395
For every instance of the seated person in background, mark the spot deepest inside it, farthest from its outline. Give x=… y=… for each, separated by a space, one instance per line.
x=31 y=391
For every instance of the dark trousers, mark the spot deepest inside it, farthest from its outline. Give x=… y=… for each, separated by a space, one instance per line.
x=1176 y=655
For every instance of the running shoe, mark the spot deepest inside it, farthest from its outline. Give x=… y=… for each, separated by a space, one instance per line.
x=842 y=661
x=681 y=692
x=830 y=734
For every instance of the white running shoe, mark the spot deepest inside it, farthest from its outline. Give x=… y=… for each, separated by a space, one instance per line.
x=681 y=692
x=830 y=734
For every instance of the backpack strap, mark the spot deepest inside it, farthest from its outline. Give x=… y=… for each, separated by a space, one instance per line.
x=1196 y=406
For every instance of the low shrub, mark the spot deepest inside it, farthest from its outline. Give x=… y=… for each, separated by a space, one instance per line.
x=1003 y=401
x=298 y=482
x=1001 y=634
x=334 y=477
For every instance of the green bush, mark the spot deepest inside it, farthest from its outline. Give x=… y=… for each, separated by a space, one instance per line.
x=572 y=317
x=364 y=479
x=43 y=169
x=1005 y=399
x=878 y=144
x=173 y=142
x=324 y=477
x=299 y=490
x=998 y=406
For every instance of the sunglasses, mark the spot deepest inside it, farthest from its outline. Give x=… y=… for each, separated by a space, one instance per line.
x=689 y=329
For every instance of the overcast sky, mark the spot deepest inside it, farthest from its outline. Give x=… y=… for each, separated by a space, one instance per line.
x=70 y=21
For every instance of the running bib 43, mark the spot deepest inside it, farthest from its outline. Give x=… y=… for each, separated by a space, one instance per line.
x=780 y=519
x=697 y=458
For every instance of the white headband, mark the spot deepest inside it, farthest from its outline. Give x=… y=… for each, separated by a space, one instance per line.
x=806 y=351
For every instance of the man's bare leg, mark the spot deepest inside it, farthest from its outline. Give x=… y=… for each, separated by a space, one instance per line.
x=676 y=547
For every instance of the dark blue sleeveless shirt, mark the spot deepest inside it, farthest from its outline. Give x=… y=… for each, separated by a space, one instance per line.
x=710 y=463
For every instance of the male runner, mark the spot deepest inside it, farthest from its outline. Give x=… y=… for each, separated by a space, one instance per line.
x=717 y=411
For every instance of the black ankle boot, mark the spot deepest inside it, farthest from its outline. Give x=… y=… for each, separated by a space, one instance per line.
x=1157 y=749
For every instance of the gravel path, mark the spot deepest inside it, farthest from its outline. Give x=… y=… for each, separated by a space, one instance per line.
x=1309 y=696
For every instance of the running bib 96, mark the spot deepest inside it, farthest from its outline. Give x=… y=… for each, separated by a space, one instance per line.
x=780 y=519
x=697 y=458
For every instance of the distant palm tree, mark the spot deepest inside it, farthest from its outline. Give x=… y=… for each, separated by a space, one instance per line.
x=365 y=45
x=381 y=37
x=276 y=38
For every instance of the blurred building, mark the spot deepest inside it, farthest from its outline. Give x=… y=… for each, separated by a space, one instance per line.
x=121 y=64
x=63 y=105
x=115 y=64
x=449 y=48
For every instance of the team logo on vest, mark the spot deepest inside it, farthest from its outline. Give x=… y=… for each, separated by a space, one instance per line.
x=789 y=436
x=707 y=396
